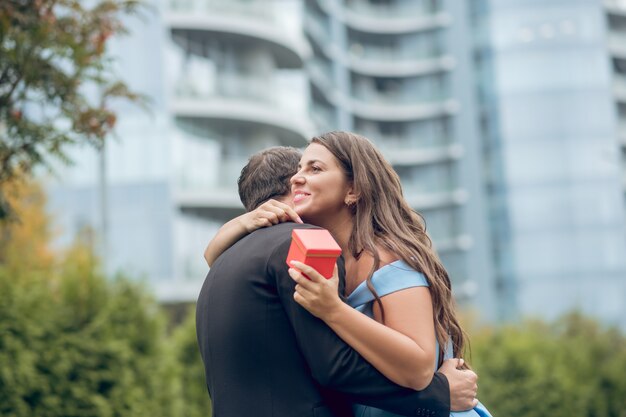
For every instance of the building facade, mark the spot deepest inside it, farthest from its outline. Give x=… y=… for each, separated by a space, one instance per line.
x=506 y=121
x=551 y=111
x=226 y=80
x=401 y=73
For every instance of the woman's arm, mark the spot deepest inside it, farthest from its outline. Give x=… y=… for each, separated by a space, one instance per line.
x=403 y=350
x=269 y=213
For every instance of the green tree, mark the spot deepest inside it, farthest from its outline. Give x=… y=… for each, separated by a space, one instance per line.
x=192 y=392
x=573 y=367
x=73 y=343
x=56 y=82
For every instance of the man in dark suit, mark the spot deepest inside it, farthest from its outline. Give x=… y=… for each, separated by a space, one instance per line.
x=265 y=355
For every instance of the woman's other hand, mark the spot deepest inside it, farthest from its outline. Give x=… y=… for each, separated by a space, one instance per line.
x=269 y=213
x=320 y=296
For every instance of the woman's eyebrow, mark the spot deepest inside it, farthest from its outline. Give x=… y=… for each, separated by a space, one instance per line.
x=314 y=161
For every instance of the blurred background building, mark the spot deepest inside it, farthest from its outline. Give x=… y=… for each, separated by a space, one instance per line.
x=506 y=121
x=550 y=78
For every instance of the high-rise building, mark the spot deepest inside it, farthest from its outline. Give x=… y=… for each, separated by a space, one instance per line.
x=616 y=25
x=506 y=121
x=551 y=94
x=226 y=80
x=238 y=87
x=400 y=72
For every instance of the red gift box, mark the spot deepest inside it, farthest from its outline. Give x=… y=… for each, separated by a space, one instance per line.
x=316 y=248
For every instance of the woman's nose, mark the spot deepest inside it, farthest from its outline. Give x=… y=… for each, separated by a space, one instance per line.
x=297 y=178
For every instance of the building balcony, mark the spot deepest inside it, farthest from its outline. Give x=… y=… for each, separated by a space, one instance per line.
x=395 y=24
x=459 y=243
x=236 y=22
x=384 y=110
x=208 y=197
x=615 y=7
x=382 y=66
x=434 y=91
x=621 y=132
x=396 y=60
x=391 y=61
x=321 y=73
x=234 y=98
x=402 y=53
x=617 y=45
x=319 y=32
x=323 y=117
x=193 y=191
x=390 y=10
x=412 y=157
x=386 y=19
x=619 y=88
x=429 y=201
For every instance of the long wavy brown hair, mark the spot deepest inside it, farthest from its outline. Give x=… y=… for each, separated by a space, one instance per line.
x=383 y=218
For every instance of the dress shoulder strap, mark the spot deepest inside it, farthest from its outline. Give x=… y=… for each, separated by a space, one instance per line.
x=390 y=278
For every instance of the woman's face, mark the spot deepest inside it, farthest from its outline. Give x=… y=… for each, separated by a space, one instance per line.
x=320 y=186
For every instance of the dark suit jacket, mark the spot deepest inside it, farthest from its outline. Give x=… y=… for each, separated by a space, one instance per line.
x=265 y=355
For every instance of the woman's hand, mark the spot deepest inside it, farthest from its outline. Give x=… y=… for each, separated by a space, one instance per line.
x=269 y=213
x=320 y=296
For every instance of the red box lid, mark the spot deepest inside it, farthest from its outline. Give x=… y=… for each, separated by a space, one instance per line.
x=316 y=241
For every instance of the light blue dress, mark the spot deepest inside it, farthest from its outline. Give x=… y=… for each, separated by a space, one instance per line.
x=390 y=278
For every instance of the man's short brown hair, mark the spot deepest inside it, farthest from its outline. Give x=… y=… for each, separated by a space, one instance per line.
x=267 y=175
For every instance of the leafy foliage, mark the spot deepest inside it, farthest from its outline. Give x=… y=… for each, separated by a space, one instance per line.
x=73 y=343
x=195 y=401
x=573 y=367
x=56 y=82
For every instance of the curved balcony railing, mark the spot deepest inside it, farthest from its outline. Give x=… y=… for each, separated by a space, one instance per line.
x=388 y=109
x=619 y=88
x=617 y=44
x=386 y=18
x=242 y=97
x=318 y=30
x=457 y=243
x=227 y=173
x=320 y=72
x=380 y=67
x=393 y=111
x=426 y=201
x=226 y=20
x=324 y=118
x=208 y=197
x=396 y=25
x=230 y=85
x=253 y=9
x=617 y=7
x=421 y=156
x=395 y=53
x=390 y=10
x=621 y=131
x=378 y=60
x=400 y=96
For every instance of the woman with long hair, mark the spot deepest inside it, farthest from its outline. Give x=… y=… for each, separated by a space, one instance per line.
x=393 y=275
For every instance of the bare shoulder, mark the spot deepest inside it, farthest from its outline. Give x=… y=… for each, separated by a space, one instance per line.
x=386 y=257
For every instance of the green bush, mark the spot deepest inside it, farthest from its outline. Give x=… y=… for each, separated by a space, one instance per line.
x=193 y=392
x=75 y=344
x=573 y=367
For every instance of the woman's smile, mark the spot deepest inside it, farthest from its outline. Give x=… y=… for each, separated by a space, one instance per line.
x=299 y=196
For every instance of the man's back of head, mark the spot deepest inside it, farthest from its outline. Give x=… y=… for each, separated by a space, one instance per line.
x=267 y=175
